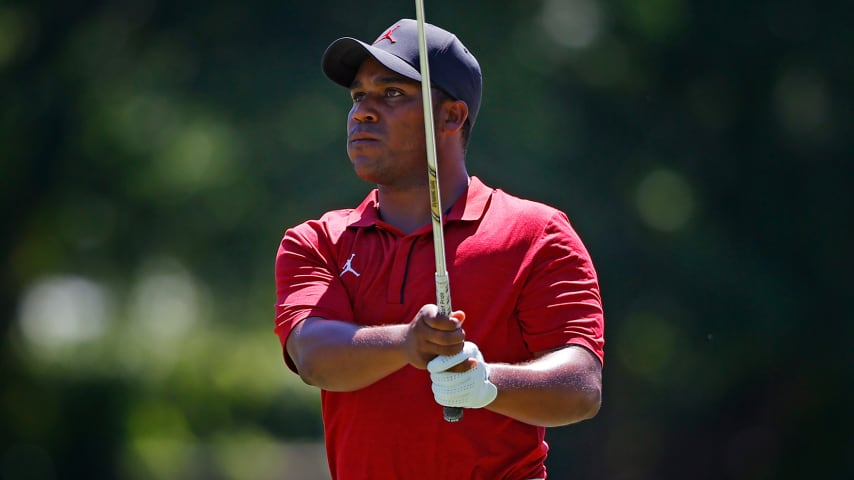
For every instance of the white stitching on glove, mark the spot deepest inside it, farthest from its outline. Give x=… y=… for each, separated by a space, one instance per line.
x=469 y=389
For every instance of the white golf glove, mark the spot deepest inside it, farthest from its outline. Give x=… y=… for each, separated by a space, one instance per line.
x=469 y=389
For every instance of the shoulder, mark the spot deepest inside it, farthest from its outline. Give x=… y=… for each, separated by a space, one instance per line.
x=522 y=211
x=335 y=223
x=329 y=227
x=545 y=229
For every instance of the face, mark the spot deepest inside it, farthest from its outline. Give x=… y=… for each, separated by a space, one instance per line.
x=385 y=128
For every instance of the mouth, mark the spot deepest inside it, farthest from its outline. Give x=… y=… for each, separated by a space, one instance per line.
x=359 y=138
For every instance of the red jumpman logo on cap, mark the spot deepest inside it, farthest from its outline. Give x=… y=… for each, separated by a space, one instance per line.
x=387 y=35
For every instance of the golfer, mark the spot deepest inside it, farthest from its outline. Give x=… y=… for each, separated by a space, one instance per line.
x=355 y=308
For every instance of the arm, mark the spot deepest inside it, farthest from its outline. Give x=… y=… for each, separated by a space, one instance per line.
x=342 y=356
x=315 y=323
x=558 y=388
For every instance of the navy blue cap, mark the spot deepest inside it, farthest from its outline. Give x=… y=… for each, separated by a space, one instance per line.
x=452 y=67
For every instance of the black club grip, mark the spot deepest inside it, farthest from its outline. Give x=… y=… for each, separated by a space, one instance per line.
x=453 y=414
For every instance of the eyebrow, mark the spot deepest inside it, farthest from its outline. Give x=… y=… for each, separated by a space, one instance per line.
x=386 y=80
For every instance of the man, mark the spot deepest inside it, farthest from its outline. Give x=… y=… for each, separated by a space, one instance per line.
x=355 y=290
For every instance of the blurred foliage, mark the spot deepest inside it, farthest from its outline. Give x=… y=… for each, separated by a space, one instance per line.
x=152 y=154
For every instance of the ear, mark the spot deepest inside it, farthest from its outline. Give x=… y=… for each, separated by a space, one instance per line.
x=454 y=115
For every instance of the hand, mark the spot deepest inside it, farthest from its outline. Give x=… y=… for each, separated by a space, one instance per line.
x=430 y=334
x=468 y=389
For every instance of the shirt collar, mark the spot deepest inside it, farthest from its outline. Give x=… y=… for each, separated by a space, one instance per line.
x=366 y=214
x=469 y=207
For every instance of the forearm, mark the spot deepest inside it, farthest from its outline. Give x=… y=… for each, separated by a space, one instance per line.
x=341 y=356
x=559 y=388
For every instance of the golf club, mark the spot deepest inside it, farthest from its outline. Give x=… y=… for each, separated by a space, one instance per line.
x=443 y=286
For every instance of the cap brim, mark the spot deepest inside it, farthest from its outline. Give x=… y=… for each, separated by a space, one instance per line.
x=344 y=56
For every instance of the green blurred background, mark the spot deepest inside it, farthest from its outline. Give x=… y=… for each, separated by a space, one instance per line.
x=152 y=154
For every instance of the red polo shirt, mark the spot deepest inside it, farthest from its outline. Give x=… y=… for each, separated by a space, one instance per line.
x=519 y=272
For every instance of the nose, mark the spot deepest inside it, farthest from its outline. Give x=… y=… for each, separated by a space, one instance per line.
x=363 y=112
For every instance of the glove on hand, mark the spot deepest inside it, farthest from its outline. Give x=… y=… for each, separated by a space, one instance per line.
x=469 y=389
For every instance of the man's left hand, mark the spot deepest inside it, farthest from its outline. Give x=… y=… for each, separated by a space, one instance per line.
x=468 y=389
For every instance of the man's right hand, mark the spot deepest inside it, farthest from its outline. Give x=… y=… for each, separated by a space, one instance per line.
x=431 y=334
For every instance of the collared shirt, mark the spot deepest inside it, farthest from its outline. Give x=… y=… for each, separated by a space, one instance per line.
x=519 y=272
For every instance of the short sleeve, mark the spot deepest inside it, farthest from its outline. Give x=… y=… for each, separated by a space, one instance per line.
x=306 y=282
x=560 y=303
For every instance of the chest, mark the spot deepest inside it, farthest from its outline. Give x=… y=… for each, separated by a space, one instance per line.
x=388 y=277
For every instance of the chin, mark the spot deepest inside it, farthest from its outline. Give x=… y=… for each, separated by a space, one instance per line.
x=367 y=173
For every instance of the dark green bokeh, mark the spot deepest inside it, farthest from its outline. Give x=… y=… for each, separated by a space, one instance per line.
x=152 y=154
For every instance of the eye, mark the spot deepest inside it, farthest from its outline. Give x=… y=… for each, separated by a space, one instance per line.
x=357 y=96
x=393 y=92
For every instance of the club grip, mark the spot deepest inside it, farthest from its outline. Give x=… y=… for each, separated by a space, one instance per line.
x=453 y=414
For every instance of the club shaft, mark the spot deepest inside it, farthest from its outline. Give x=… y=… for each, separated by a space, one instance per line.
x=443 y=287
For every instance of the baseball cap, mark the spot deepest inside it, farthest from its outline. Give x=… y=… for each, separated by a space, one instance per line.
x=452 y=67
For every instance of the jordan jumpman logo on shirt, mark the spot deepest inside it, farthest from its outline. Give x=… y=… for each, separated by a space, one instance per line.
x=348 y=267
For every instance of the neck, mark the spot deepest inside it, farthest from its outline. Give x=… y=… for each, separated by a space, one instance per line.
x=408 y=209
